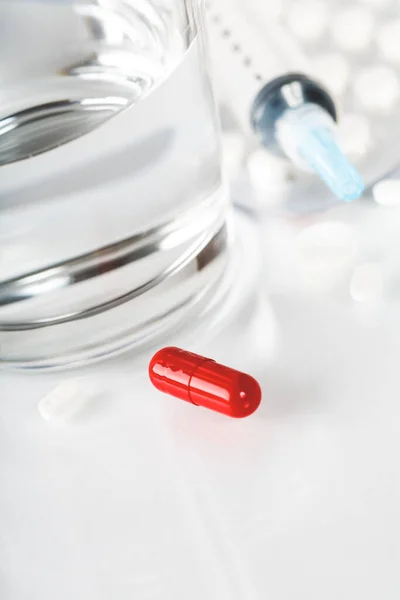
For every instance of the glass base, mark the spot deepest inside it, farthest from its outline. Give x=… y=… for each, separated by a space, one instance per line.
x=198 y=296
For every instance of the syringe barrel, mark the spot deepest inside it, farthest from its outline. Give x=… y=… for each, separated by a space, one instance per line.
x=245 y=59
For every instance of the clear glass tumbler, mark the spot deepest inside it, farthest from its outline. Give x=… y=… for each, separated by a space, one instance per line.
x=112 y=211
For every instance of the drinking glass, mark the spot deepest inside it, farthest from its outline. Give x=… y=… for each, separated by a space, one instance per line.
x=112 y=210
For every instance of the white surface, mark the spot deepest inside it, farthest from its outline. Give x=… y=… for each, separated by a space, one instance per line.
x=377 y=87
x=146 y=497
x=233 y=152
x=268 y=174
x=354 y=135
x=308 y=18
x=388 y=40
x=377 y=3
x=352 y=28
x=322 y=253
x=367 y=284
x=333 y=70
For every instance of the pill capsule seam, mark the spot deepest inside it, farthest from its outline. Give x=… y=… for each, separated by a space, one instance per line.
x=193 y=374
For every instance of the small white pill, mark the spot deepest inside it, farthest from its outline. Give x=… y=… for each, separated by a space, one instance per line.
x=354 y=134
x=233 y=151
x=352 y=28
x=387 y=192
x=333 y=71
x=324 y=253
x=268 y=174
x=388 y=40
x=308 y=19
x=367 y=283
x=377 y=87
x=68 y=398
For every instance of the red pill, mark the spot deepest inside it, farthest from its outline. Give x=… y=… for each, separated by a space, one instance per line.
x=204 y=382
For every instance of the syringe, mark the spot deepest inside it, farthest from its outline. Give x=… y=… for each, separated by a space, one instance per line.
x=266 y=90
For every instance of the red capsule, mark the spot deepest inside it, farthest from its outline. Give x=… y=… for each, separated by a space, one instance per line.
x=204 y=382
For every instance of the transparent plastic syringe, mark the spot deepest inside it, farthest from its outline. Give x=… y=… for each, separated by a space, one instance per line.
x=267 y=90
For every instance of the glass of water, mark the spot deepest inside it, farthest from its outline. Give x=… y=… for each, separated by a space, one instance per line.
x=112 y=211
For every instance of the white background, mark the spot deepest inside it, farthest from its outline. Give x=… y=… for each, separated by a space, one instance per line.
x=142 y=496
